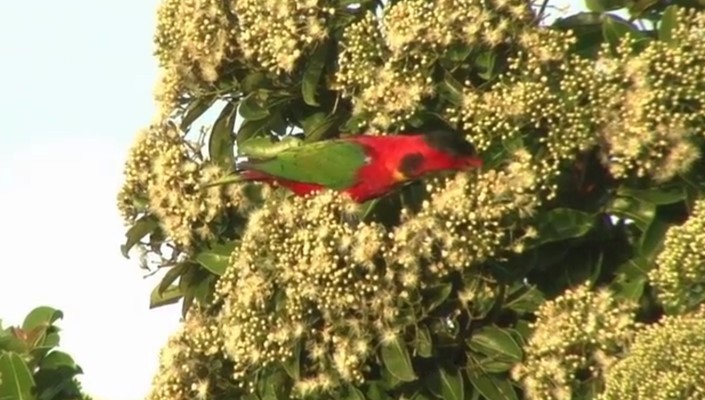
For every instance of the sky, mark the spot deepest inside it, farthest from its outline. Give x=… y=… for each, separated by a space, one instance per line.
x=77 y=79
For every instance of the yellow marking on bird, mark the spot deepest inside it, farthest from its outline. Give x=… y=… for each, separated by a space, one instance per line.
x=399 y=176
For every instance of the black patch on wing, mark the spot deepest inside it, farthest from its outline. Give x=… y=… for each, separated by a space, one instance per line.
x=411 y=163
x=451 y=143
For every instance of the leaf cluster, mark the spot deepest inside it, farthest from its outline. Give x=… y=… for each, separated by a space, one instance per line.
x=31 y=368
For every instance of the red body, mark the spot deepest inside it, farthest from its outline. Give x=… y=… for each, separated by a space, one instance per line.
x=384 y=167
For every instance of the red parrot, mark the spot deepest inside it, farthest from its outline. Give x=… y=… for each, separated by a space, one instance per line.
x=364 y=166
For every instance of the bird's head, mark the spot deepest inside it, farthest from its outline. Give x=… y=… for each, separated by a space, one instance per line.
x=438 y=151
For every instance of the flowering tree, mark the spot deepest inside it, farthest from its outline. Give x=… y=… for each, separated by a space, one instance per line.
x=570 y=266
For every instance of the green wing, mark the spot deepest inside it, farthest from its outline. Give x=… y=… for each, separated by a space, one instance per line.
x=332 y=163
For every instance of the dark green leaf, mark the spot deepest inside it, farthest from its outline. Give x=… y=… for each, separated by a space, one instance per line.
x=252 y=107
x=171 y=276
x=496 y=343
x=652 y=240
x=195 y=109
x=435 y=295
x=660 y=196
x=396 y=359
x=292 y=366
x=491 y=387
x=579 y=20
x=614 y=29
x=631 y=278
x=354 y=124
x=450 y=384
x=526 y=299
x=562 y=223
x=162 y=297
x=16 y=381
x=422 y=342
x=318 y=125
x=604 y=5
x=352 y=393
x=634 y=268
x=640 y=212
x=312 y=74
x=217 y=258
x=450 y=89
x=140 y=229
x=445 y=384
x=252 y=129
x=419 y=396
x=486 y=63
x=220 y=143
x=255 y=80
x=58 y=359
x=457 y=53
x=376 y=391
x=668 y=24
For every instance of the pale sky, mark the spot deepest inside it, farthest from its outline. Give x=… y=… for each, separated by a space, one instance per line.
x=76 y=79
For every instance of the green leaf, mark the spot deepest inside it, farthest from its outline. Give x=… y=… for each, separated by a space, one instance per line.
x=634 y=268
x=318 y=125
x=252 y=107
x=496 y=343
x=41 y=316
x=604 y=5
x=525 y=299
x=614 y=29
x=490 y=386
x=376 y=391
x=660 y=196
x=58 y=359
x=195 y=109
x=352 y=393
x=631 y=278
x=435 y=295
x=669 y=22
x=16 y=381
x=10 y=342
x=640 y=212
x=452 y=385
x=255 y=80
x=252 y=129
x=450 y=89
x=561 y=224
x=448 y=385
x=651 y=241
x=630 y=289
x=161 y=297
x=396 y=359
x=486 y=62
x=220 y=142
x=581 y=20
x=312 y=74
x=423 y=343
x=171 y=276
x=217 y=258
x=292 y=366
x=140 y=229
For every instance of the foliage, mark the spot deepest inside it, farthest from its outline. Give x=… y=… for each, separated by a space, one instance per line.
x=541 y=276
x=31 y=368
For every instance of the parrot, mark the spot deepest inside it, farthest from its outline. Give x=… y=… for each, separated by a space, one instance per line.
x=364 y=167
